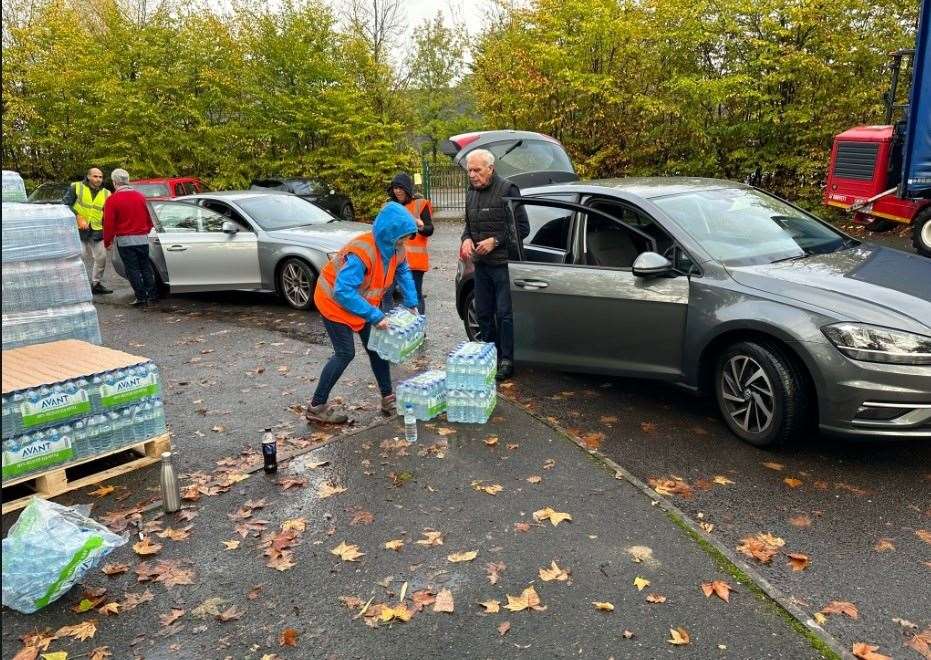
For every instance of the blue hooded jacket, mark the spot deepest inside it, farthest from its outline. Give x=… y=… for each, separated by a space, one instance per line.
x=392 y=222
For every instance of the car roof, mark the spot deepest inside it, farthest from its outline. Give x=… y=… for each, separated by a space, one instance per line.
x=648 y=187
x=166 y=179
x=236 y=195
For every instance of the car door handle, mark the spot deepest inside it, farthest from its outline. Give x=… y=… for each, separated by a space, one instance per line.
x=177 y=248
x=531 y=284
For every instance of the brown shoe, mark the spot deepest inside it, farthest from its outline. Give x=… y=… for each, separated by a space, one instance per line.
x=389 y=405
x=325 y=414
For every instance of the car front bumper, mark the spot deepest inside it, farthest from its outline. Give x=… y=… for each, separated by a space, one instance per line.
x=869 y=399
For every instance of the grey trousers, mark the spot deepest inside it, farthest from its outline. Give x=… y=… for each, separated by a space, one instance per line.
x=95 y=251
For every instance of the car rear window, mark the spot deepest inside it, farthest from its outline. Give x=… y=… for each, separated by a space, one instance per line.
x=520 y=156
x=152 y=189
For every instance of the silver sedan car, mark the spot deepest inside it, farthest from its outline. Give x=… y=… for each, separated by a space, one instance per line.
x=249 y=240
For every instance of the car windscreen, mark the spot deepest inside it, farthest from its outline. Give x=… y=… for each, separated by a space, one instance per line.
x=527 y=155
x=743 y=226
x=49 y=193
x=273 y=212
x=152 y=189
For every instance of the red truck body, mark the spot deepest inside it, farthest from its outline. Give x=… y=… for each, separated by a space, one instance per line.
x=861 y=162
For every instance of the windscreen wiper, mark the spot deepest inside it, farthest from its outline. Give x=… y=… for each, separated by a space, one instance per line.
x=511 y=148
x=805 y=254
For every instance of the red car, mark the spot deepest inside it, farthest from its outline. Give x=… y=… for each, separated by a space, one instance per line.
x=174 y=186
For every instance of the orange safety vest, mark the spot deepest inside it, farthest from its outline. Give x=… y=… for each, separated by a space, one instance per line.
x=373 y=286
x=417 y=256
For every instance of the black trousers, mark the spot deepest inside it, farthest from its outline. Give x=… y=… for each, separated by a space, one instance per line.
x=139 y=271
x=493 y=306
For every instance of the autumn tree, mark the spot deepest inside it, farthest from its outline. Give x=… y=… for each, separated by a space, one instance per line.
x=436 y=67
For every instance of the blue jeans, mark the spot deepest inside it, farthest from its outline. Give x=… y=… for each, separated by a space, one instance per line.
x=344 y=350
x=387 y=303
x=139 y=271
x=493 y=307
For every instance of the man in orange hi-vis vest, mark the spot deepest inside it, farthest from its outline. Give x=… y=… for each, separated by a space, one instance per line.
x=401 y=190
x=348 y=295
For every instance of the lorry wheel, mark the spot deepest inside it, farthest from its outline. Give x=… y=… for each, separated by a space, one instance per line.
x=921 y=232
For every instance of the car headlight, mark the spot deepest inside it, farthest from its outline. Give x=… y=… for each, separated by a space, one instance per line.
x=872 y=343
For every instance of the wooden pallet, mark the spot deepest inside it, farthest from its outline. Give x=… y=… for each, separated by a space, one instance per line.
x=56 y=481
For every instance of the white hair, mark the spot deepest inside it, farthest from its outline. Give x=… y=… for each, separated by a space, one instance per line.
x=484 y=153
x=120 y=177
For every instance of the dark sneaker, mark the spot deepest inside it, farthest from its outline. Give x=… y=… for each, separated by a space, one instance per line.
x=325 y=414
x=139 y=303
x=389 y=404
x=505 y=370
x=100 y=288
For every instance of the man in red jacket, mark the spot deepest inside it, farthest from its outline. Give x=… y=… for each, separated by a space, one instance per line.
x=126 y=222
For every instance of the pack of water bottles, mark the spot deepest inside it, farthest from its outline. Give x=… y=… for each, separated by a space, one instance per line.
x=471 y=394
x=34 y=232
x=36 y=285
x=404 y=335
x=50 y=548
x=51 y=324
x=14 y=190
x=31 y=409
x=425 y=393
x=472 y=366
x=86 y=437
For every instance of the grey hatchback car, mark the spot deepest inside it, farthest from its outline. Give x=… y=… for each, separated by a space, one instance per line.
x=723 y=289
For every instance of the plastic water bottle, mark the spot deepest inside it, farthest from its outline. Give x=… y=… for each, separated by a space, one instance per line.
x=410 y=424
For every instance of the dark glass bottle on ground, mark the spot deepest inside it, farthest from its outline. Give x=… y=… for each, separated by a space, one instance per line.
x=270 y=451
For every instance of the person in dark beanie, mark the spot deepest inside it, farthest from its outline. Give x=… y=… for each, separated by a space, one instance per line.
x=401 y=190
x=489 y=242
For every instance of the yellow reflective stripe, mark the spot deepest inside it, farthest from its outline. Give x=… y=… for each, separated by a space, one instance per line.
x=323 y=284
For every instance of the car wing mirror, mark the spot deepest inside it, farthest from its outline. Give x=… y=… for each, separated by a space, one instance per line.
x=229 y=227
x=651 y=264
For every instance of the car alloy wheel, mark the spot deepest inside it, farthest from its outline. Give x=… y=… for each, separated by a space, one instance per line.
x=763 y=392
x=748 y=394
x=296 y=283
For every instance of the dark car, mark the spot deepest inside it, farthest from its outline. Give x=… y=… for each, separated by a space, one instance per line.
x=314 y=191
x=719 y=287
x=51 y=192
x=523 y=157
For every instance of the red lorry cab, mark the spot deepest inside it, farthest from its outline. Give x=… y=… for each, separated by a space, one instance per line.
x=169 y=186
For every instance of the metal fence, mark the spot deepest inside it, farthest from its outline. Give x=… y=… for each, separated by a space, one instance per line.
x=445 y=185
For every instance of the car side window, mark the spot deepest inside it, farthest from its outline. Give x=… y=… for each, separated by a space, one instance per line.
x=188 y=188
x=179 y=190
x=177 y=217
x=550 y=231
x=225 y=212
x=609 y=244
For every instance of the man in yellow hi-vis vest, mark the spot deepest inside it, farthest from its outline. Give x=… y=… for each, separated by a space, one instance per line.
x=86 y=199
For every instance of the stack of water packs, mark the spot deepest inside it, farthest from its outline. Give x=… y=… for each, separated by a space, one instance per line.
x=69 y=417
x=471 y=394
x=46 y=295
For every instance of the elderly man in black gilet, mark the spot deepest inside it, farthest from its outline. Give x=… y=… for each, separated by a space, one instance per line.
x=489 y=241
